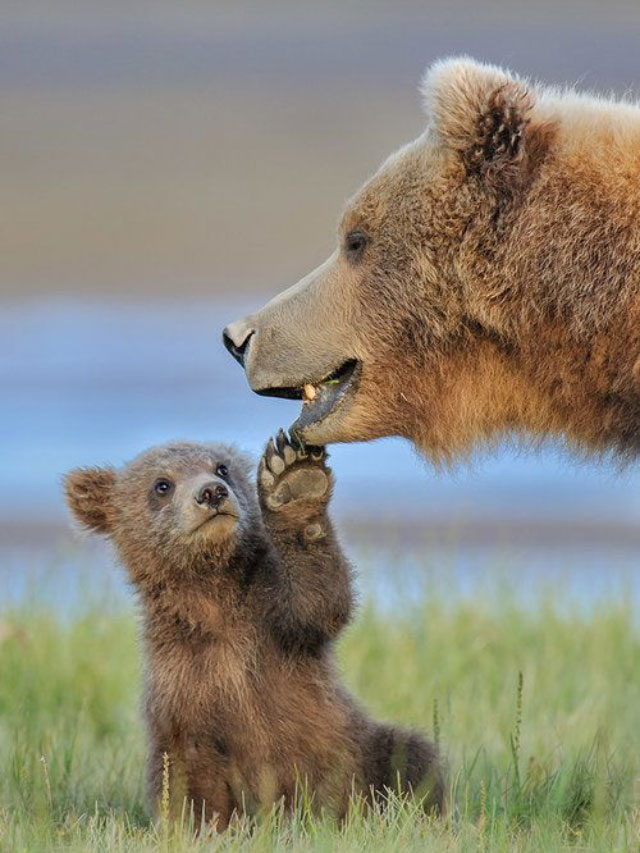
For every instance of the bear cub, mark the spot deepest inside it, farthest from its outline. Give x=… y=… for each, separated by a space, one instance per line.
x=242 y=593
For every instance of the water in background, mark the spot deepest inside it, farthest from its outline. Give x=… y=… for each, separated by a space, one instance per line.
x=158 y=150
x=85 y=384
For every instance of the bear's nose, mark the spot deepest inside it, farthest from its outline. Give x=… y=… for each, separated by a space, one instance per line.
x=211 y=494
x=236 y=337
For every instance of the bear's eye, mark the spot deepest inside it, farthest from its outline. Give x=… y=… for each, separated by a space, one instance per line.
x=163 y=487
x=222 y=471
x=354 y=244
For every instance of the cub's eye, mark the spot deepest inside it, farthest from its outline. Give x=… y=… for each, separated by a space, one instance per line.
x=222 y=471
x=354 y=244
x=163 y=487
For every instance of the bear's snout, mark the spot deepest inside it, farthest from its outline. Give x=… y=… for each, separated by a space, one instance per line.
x=211 y=495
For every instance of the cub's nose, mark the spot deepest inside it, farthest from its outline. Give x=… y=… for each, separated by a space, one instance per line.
x=211 y=495
x=236 y=337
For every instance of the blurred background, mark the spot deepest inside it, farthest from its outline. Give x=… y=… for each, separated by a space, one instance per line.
x=166 y=166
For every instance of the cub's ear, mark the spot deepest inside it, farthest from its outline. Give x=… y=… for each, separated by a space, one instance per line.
x=481 y=112
x=89 y=493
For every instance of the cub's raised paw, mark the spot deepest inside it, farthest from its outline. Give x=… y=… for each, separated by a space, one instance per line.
x=289 y=475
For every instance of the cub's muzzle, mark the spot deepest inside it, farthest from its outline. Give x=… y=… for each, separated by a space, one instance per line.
x=211 y=495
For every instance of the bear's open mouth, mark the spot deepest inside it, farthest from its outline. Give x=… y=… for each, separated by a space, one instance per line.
x=320 y=399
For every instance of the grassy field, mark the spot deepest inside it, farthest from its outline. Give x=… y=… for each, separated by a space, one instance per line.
x=536 y=708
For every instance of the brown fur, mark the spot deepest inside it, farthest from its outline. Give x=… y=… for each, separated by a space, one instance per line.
x=241 y=599
x=499 y=287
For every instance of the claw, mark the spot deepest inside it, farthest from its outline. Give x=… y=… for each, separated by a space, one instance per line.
x=281 y=441
x=297 y=442
x=298 y=445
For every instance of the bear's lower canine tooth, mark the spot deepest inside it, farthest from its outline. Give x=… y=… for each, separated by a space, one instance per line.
x=308 y=393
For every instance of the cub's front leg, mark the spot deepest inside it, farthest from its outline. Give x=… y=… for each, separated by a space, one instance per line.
x=311 y=595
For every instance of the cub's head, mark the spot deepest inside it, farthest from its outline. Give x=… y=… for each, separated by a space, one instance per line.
x=181 y=506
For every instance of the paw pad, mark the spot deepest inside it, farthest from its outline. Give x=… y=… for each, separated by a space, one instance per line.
x=288 y=473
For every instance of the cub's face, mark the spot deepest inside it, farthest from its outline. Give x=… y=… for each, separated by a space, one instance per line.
x=185 y=503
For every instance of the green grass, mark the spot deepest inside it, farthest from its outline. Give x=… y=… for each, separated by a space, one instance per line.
x=537 y=710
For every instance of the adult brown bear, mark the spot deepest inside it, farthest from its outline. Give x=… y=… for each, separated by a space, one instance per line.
x=486 y=279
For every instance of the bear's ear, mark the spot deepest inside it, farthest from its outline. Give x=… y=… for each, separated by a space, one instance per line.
x=481 y=112
x=89 y=493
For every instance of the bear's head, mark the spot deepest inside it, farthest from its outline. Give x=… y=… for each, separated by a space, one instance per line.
x=176 y=508
x=401 y=331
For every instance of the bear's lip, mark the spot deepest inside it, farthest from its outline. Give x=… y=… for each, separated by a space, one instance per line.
x=336 y=378
x=330 y=394
x=212 y=517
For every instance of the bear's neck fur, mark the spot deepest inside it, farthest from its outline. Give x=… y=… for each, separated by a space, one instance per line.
x=554 y=385
x=556 y=349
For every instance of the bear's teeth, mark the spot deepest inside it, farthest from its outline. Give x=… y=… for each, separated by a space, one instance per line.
x=308 y=393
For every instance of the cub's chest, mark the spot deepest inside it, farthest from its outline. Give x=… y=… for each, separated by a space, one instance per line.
x=195 y=680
